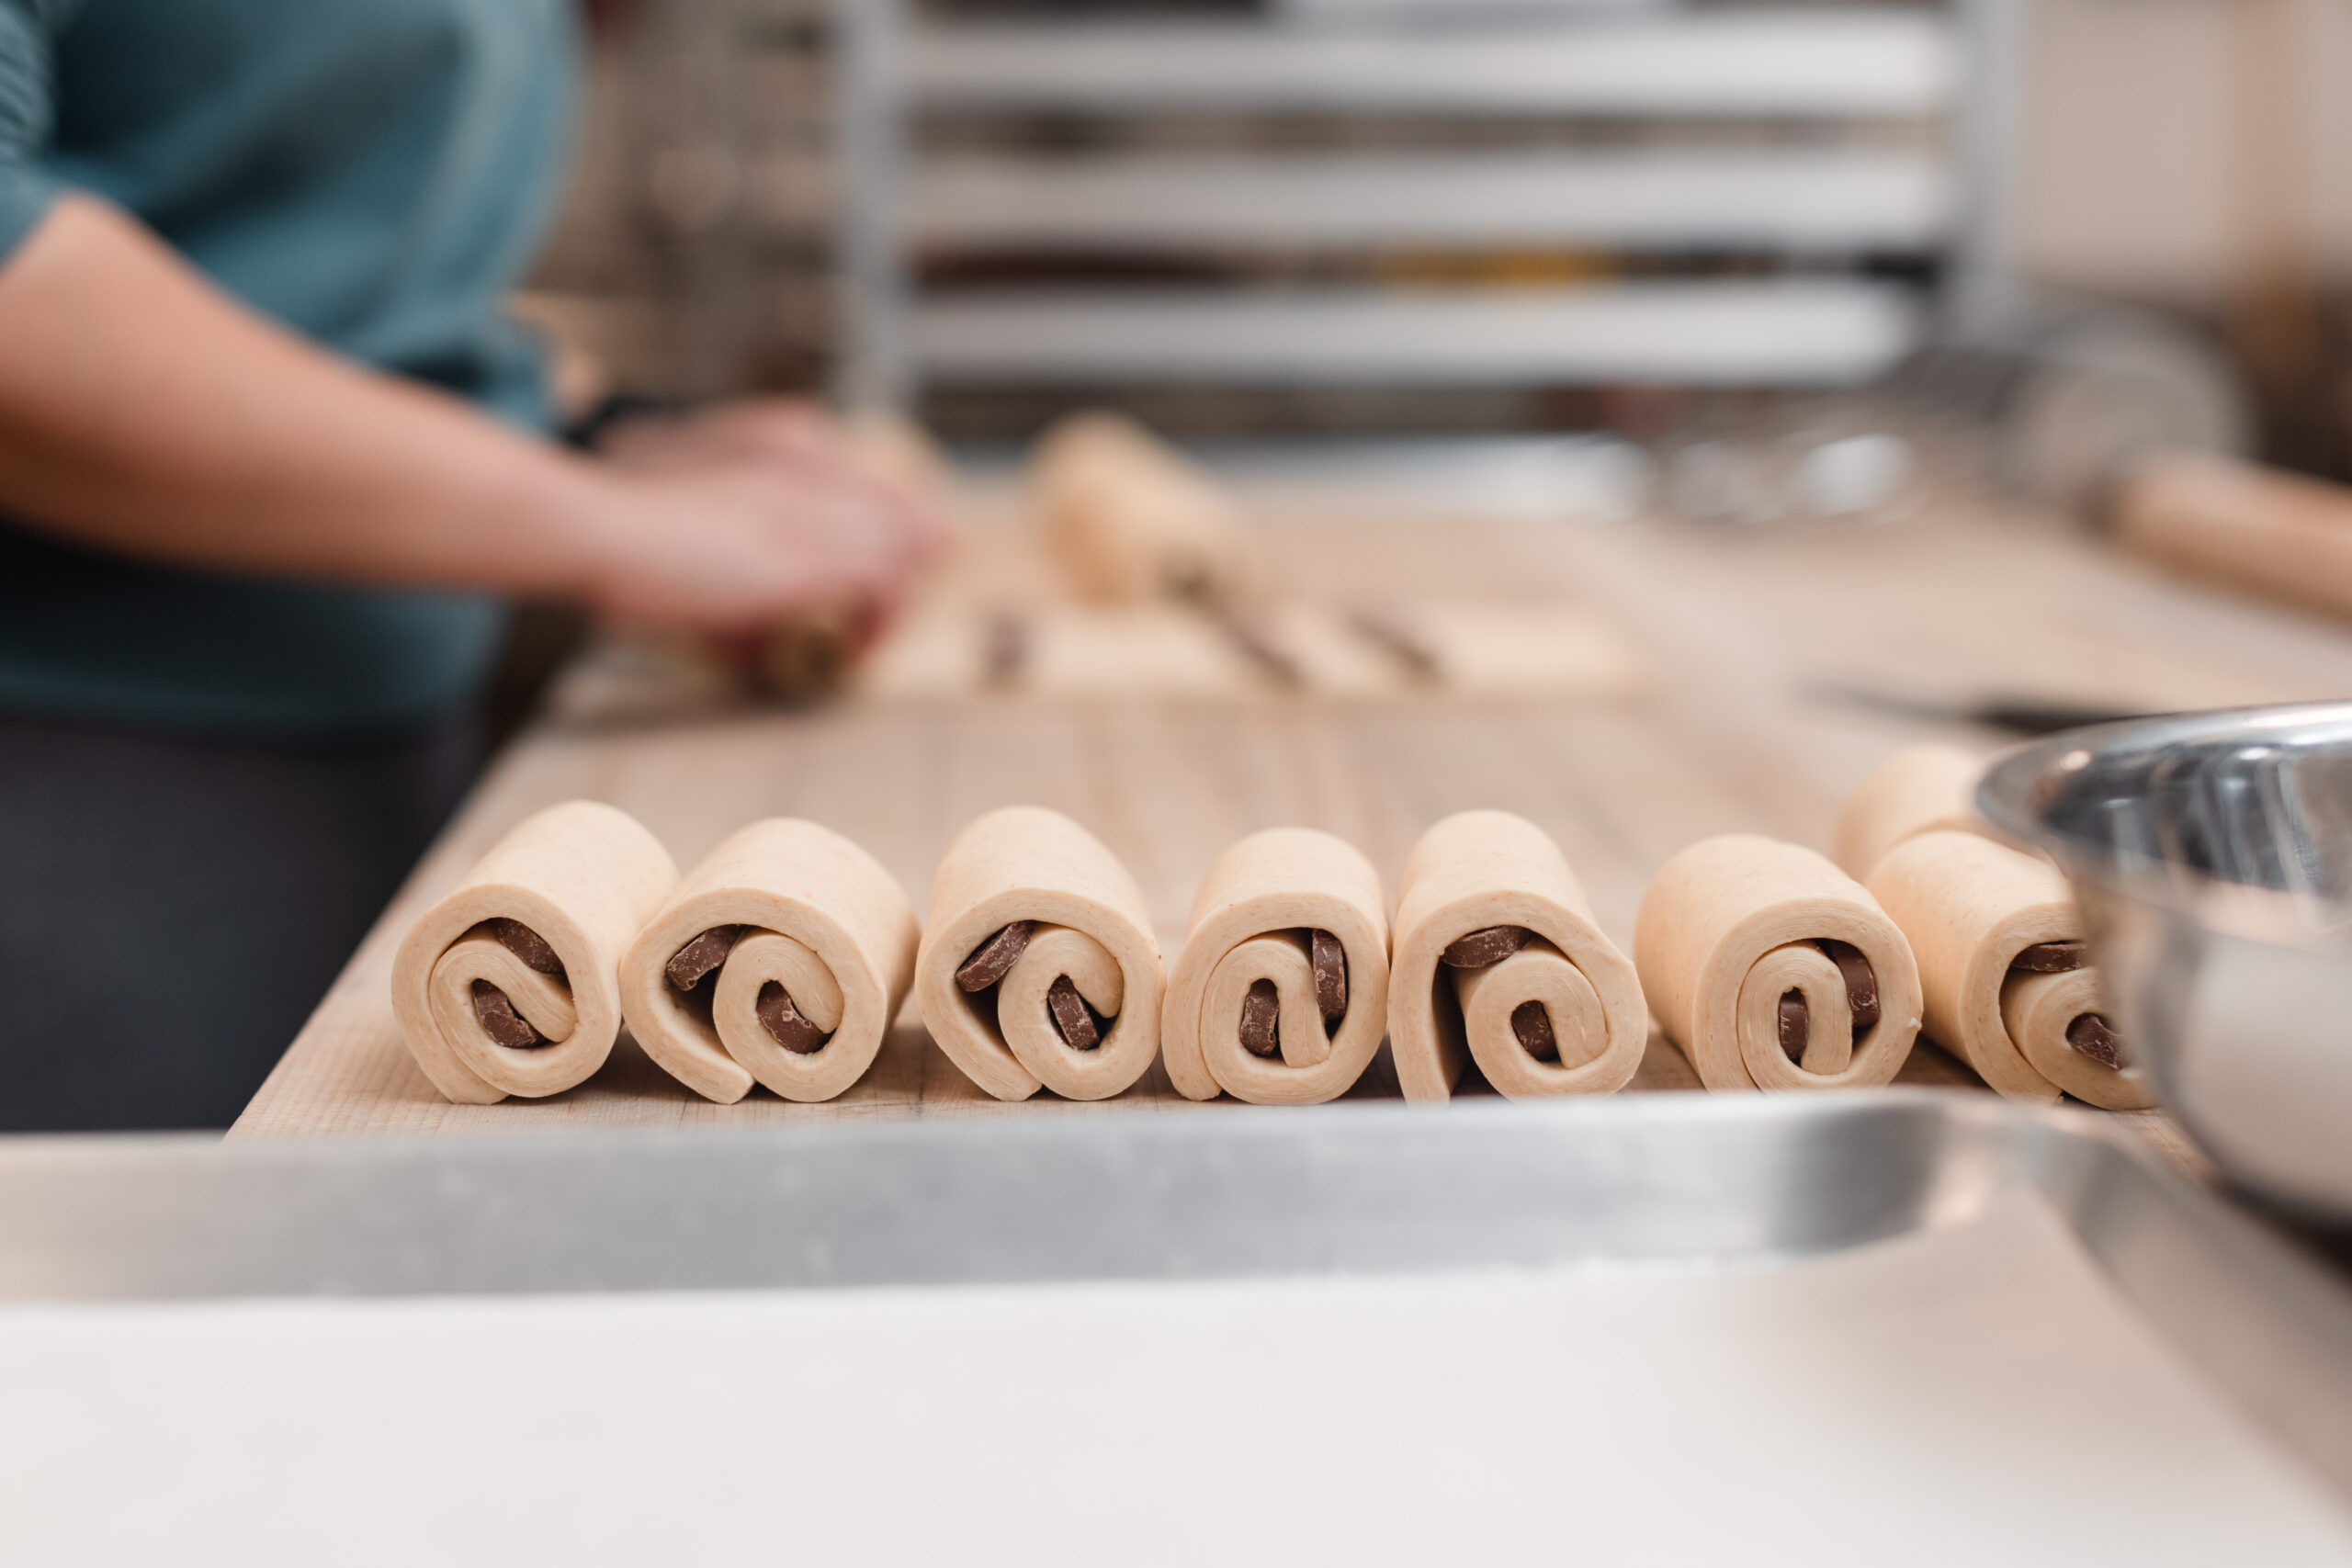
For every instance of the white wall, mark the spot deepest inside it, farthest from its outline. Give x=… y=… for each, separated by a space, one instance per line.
x=2141 y=175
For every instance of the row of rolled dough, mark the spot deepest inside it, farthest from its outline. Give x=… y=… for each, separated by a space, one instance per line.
x=784 y=958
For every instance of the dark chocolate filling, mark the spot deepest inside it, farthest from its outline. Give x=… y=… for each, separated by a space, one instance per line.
x=994 y=959
x=1262 y=1019
x=2093 y=1036
x=1005 y=651
x=1398 y=641
x=1861 y=984
x=495 y=1012
x=1796 y=1023
x=689 y=965
x=1330 y=961
x=1481 y=947
x=1072 y=1018
x=785 y=1023
x=1862 y=999
x=526 y=944
x=2051 y=958
x=1531 y=1022
x=1247 y=630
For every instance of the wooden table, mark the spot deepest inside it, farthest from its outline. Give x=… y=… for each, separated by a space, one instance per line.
x=1734 y=628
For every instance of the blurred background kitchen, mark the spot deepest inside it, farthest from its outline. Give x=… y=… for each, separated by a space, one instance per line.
x=2078 y=227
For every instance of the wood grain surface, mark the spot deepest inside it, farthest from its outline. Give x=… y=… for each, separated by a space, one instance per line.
x=1736 y=631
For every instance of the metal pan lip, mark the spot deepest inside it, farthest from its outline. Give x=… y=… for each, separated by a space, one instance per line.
x=1218 y=1192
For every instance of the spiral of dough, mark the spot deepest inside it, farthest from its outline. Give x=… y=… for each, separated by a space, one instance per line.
x=1253 y=924
x=1969 y=909
x=1076 y=914
x=570 y=886
x=795 y=907
x=1491 y=871
x=1732 y=927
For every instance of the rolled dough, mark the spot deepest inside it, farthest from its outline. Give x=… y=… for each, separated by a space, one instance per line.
x=1024 y=862
x=1729 y=927
x=1132 y=519
x=821 y=918
x=1252 y=921
x=1969 y=906
x=1480 y=869
x=586 y=877
x=1917 y=790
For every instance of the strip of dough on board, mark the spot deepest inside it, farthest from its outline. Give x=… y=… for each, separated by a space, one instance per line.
x=1038 y=965
x=781 y=959
x=2008 y=981
x=1281 y=994
x=510 y=985
x=1770 y=968
x=1496 y=957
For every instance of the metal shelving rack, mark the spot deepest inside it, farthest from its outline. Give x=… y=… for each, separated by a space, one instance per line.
x=1816 y=200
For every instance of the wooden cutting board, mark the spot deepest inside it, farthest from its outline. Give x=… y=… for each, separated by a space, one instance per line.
x=1723 y=729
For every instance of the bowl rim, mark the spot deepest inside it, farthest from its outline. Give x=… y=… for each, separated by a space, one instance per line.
x=2013 y=789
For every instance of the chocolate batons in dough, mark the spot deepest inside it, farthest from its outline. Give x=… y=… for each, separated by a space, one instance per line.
x=510 y=983
x=1039 y=967
x=1917 y=790
x=1497 y=958
x=1281 y=994
x=1739 y=932
x=781 y=959
x=2005 y=976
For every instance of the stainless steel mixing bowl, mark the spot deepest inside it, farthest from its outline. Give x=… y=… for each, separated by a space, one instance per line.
x=2211 y=854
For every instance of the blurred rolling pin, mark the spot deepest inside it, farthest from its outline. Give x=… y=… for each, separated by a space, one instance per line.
x=1133 y=519
x=2228 y=520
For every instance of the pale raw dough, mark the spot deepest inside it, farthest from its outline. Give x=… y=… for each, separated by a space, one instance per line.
x=1917 y=790
x=1131 y=650
x=586 y=877
x=1132 y=519
x=823 y=919
x=1969 y=906
x=1489 y=868
x=1250 y=920
x=1728 y=927
x=1515 y=650
x=1024 y=862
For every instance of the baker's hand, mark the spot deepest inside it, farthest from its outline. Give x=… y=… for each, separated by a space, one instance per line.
x=795 y=439
x=731 y=548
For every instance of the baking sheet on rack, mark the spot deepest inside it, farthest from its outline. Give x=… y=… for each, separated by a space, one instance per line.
x=1972 y=1396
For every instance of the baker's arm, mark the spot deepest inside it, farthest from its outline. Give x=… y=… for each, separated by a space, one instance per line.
x=144 y=410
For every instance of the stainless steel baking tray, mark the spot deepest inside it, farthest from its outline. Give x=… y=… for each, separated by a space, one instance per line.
x=1341 y=1189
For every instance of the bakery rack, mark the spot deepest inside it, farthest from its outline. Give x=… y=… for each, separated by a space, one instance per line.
x=1759 y=171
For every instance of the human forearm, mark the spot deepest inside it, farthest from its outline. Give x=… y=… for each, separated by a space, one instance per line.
x=140 y=411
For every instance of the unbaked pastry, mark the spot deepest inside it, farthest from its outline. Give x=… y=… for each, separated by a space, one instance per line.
x=510 y=983
x=1770 y=968
x=1281 y=994
x=1496 y=955
x=1038 y=965
x=1918 y=789
x=1132 y=519
x=2007 y=982
x=781 y=959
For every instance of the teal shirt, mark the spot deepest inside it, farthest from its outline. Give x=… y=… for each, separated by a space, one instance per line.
x=375 y=175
